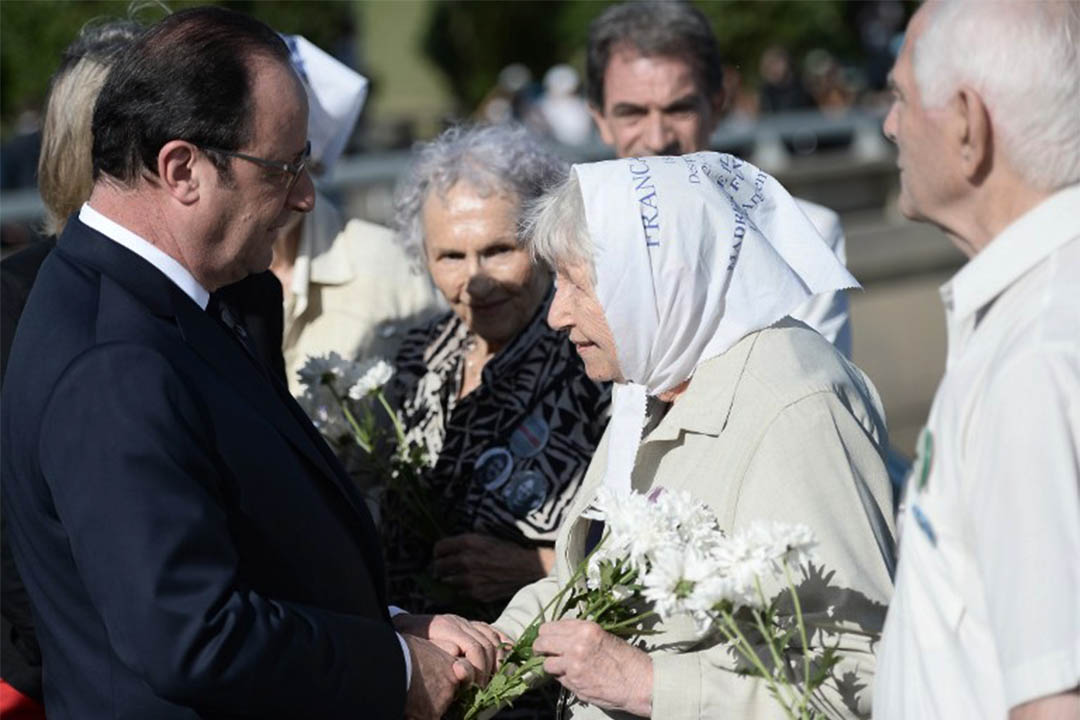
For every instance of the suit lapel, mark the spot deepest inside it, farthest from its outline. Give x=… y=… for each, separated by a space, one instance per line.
x=262 y=391
x=212 y=342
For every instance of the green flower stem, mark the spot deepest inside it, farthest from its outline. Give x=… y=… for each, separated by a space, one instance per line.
x=802 y=634
x=770 y=642
x=417 y=506
x=358 y=433
x=516 y=676
x=777 y=657
x=398 y=430
x=629 y=621
x=735 y=636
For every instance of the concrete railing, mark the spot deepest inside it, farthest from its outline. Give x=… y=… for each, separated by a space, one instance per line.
x=776 y=143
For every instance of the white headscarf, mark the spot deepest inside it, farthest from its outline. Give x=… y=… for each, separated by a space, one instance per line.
x=336 y=94
x=692 y=254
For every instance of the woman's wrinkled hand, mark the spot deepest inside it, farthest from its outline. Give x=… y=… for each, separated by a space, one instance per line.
x=596 y=666
x=477 y=642
x=487 y=569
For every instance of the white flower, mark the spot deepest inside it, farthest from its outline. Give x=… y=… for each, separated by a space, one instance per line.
x=677 y=579
x=742 y=564
x=685 y=515
x=623 y=519
x=664 y=583
x=782 y=543
x=325 y=413
x=329 y=370
x=373 y=374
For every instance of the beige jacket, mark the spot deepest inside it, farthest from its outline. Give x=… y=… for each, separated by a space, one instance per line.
x=354 y=291
x=779 y=427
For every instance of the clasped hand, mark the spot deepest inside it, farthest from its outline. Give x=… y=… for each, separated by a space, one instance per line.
x=446 y=652
x=596 y=666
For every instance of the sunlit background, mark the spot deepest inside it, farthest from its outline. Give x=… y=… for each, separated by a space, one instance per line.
x=805 y=99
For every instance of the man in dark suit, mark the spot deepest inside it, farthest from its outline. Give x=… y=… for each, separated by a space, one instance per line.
x=64 y=173
x=190 y=545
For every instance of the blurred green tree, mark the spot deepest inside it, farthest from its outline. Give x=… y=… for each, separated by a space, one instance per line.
x=471 y=40
x=745 y=28
x=34 y=33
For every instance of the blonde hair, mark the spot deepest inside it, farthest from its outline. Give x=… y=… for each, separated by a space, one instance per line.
x=65 y=171
x=65 y=167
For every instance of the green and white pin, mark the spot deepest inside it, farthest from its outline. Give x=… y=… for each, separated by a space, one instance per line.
x=924 y=454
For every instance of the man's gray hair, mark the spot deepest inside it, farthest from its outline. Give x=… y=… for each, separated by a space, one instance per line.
x=1023 y=58
x=556 y=229
x=654 y=28
x=502 y=160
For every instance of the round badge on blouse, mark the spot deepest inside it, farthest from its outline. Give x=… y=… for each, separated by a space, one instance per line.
x=530 y=437
x=493 y=467
x=525 y=492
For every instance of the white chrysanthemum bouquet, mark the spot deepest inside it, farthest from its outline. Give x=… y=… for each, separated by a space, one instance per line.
x=664 y=556
x=344 y=398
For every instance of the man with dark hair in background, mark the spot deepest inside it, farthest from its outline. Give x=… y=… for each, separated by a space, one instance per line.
x=654 y=84
x=190 y=545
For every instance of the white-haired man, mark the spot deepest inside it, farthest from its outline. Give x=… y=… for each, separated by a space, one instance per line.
x=985 y=621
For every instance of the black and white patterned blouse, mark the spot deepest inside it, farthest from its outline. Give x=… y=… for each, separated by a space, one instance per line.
x=509 y=456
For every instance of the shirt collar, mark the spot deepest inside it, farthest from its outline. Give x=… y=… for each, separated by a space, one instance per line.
x=172 y=269
x=1016 y=250
x=322 y=257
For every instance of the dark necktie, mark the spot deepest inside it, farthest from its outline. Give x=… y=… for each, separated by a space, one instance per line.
x=220 y=310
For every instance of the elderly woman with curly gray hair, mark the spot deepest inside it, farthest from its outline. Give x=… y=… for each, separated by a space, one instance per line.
x=499 y=401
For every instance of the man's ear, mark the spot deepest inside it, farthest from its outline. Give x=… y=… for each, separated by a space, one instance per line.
x=601 y=122
x=179 y=171
x=973 y=134
x=718 y=106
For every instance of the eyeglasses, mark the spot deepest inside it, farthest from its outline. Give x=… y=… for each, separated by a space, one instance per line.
x=293 y=170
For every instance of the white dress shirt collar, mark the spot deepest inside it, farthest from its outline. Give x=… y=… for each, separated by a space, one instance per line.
x=177 y=273
x=1016 y=250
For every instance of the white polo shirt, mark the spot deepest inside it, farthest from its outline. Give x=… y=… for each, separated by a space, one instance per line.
x=986 y=612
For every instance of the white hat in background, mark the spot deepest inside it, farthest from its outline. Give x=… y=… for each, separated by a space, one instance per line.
x=336 y=95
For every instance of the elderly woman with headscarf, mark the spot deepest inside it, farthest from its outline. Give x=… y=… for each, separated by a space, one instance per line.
x=675 y=277
x=499 y=400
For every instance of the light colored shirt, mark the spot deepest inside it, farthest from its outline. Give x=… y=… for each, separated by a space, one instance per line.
x=169 y=266
x=986 y=613
x=354 y=290
x=184 y=280
x=828 y=312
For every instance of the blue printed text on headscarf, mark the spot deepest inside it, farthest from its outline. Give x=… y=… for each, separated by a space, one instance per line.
x=648 y=208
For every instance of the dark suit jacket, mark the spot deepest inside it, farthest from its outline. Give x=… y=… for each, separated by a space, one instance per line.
x=20 y=656
x=257 y=301
x=190 y=544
